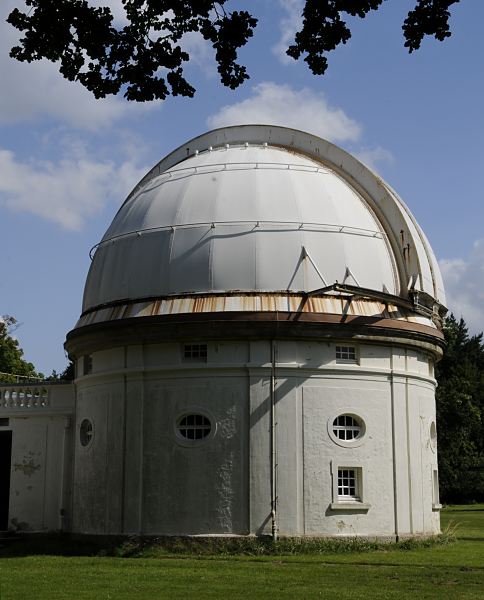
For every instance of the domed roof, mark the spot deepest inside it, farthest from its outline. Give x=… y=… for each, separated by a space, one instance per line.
x=259 y=209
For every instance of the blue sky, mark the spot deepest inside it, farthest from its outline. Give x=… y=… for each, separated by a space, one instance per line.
x=67 y=161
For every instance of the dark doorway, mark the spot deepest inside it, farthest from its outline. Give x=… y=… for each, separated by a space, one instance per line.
x=5 y=467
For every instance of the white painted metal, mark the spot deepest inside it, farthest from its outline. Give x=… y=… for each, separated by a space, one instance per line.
x=238 y=218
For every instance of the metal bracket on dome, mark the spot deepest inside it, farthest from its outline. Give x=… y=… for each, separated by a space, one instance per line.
x=420 y=302
x=349 y=273
x=360 y=292
x=305 y=254
x=425 y=304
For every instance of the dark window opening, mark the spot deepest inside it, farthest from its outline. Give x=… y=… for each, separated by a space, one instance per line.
x=86 y=432
x=5 y=468
x=87 y=364
x=195 y=351
x=194 y=427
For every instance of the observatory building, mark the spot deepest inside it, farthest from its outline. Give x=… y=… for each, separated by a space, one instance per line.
x=255 y=353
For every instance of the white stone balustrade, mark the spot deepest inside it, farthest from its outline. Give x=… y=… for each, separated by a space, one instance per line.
x=23 y=397
x=40 y=396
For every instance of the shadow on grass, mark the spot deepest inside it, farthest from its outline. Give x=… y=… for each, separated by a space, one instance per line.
x=54 y=545
x=164 y=547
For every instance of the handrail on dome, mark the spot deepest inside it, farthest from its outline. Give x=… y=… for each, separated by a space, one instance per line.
x=312 y=226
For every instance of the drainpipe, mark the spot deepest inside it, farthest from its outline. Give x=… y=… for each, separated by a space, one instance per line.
x=394 y=449
x=273 y=445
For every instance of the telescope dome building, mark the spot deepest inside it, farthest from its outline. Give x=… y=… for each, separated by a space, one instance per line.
x=256 y=350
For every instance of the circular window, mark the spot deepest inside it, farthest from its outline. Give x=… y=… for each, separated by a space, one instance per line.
x=347 y=428
x=433 y=436
x=86 y=432
x=194 y=427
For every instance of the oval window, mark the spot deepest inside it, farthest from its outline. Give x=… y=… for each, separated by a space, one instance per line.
x=347 y=428
x=86 y=431
x=194 y=427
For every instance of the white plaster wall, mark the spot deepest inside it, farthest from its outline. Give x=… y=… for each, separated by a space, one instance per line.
x=37 y=482
x=259 y=496
x=98 y=473
x=201 y=484
x=324 y=400
x=40 y=419
x=137 y=477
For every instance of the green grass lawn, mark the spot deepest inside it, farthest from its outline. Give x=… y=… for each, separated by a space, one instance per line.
x=453 y=570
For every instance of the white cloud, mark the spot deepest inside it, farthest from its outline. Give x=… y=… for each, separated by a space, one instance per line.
x=33 y=90
x=202 y=54
x=67 y=192
x=289 y=24
x=464 y=285
x=372 y=156
x=274 y=104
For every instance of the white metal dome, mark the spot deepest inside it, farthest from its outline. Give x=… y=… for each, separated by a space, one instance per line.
x=259 y=209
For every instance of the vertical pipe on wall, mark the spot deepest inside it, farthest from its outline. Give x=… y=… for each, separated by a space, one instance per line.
x=273 y=444
x=394 y=450
x=123 y=451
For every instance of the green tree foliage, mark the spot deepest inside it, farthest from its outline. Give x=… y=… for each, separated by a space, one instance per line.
x=145 y=58
x=68 y=374
x=460 y=415
x=12 y=363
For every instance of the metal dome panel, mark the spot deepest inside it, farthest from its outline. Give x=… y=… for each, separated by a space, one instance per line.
x=268 y=210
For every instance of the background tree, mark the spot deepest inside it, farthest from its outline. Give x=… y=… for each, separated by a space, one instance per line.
x=460 y=415
x=145 y=58
x=68 y=374
x=12 y=364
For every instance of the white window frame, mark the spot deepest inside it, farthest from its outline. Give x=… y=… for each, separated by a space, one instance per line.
x=89 y=434
x=359 y=415
x=180 y=439
x=356 y=428
x=354 y=502
x=348 y=484
x=348 y=354
x=205 y=427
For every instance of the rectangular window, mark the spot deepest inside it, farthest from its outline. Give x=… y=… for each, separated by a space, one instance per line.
x=346 y=354
x=348 y=485
x=4 y=422
x=87 y=364
x=195 y=352
x=348 y=489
